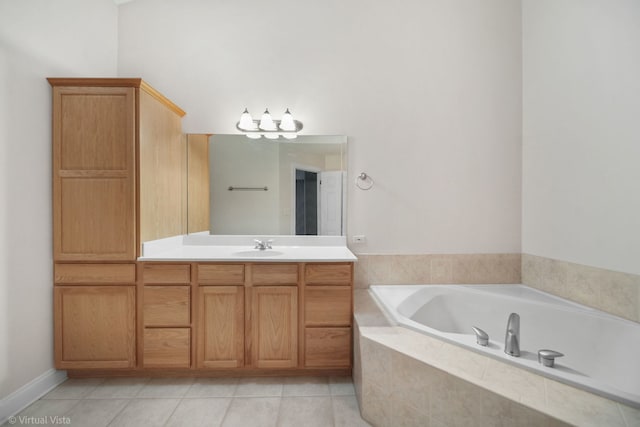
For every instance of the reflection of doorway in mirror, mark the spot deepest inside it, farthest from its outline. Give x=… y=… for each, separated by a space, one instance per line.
x=317 y=202
x=331 y=195
x=306 y=201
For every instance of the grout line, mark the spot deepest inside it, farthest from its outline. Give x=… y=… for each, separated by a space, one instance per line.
x=119 y=412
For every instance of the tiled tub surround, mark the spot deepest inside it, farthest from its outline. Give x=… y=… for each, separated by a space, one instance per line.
x=610 y=291
x=440 y=268
x=404 y=378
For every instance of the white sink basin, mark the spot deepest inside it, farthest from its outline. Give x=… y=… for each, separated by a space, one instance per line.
x=257 y=253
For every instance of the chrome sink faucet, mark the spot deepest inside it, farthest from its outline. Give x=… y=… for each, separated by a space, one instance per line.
x=512 y=337
x=263 y=244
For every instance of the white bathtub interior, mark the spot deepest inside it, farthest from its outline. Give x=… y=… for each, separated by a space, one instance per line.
x=601 y=351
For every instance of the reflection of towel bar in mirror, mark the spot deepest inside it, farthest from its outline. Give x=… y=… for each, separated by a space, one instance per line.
x=231 y=188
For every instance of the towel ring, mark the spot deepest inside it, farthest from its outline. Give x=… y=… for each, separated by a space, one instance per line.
x=364 y=181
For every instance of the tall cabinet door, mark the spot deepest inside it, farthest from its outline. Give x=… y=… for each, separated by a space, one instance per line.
x=274 y=326
x=94 y=173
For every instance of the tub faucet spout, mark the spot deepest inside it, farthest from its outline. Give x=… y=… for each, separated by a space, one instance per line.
x=512 y=337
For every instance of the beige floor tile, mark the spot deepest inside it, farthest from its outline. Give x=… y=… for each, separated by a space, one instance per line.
x=145 y=412
x=122 y=388
x=341 y=386
x=213 y=387
x=311 y=411
x=346 y=412
x=252 y=412
x=95 y=412
x=306 y=386
x=260 y=387
x=199 y=412
x=74 y=388
x=166 y=387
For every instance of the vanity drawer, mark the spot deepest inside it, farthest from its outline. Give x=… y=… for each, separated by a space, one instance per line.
x=327 y=274
x=327 y=306
x=95 y=273
x=166 y=273
x=221 y=274
x=167 y=305
x=167 y=348
x=327 y=347
x=274 y=274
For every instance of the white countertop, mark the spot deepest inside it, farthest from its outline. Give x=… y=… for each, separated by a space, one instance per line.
x=202 y=247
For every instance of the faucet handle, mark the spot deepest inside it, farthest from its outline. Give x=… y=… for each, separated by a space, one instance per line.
x=482 y=337
x=268 y=244
x=548 y=357
x=259 y=244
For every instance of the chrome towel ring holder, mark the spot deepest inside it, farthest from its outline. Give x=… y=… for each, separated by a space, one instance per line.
x=364 y=181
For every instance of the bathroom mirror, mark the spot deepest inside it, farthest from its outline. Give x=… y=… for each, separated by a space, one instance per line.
x=239 y=185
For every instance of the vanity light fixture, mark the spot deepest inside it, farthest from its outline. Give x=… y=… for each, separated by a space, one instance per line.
x=267 y=127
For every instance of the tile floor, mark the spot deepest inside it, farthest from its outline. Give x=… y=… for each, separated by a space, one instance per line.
x=192 y=402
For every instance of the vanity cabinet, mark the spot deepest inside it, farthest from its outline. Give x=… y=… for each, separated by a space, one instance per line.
x=248 y=315
x=95 y=316
x=328 y=314
x=166 y=315
x=118 y=180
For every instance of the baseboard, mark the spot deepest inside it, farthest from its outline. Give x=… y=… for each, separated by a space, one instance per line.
x=29 y=393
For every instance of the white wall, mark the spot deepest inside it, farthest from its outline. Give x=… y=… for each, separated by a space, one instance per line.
x=428 y=91
x=38 y=39
x=239 y=162
x=581 y=144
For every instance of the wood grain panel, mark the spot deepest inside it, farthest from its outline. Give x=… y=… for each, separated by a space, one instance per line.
x=96 y=219
x=167 y=348
x=94 y=326
x=221 y=274
x=327 y=347
x=94 y=209
x=167 y=305
x=162 y=170
x=327 y=306
x=221 y=327
x=274 y=274
x=95 y=273
x=327 y=274
x=166 y=273
x=96 y=126
x=198 y=193
x=274 y=326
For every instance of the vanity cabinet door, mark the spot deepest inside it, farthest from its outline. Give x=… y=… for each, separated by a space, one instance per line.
x=274 y=326
x=221 y=327
x=94 y=326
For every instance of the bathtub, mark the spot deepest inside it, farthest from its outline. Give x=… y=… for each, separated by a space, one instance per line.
x=601 y=351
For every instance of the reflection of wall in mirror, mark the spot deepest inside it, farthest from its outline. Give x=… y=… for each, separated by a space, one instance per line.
x=246 y=164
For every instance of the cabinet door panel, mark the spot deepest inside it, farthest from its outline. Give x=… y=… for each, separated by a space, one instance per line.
x=327 y=347
x=327 y=274
x=167 y=348
x=221 y=274
x=94 y=159
x=96 y=219
x=221 y=327
x=274 y=326
x=94 y=326
x=167 y=305
x=274 y=274
x=327 y=306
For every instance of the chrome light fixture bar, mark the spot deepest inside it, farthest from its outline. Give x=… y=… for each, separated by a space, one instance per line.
x=267 y=127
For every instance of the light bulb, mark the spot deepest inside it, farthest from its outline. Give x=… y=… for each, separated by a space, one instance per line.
x=266 y=122
x=287 y=122
x=253 y=135
x=246 y=121
x=271 y=135
x=290 y=135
